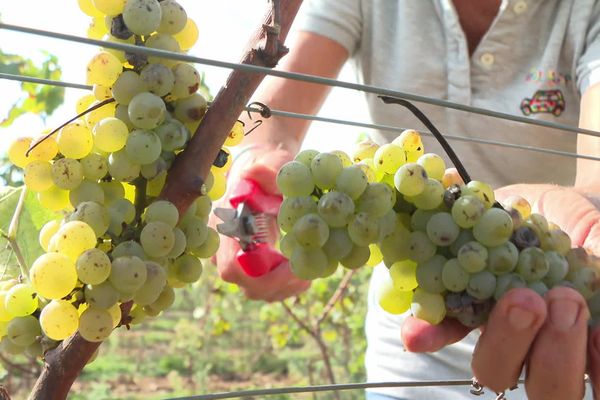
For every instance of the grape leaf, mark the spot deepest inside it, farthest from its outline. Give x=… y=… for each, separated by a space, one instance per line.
x=33 y=217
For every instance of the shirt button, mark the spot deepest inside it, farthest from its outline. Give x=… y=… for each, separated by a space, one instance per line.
x=487 y=59
x=520 y=7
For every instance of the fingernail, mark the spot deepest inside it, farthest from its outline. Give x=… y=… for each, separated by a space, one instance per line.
x=563 y=314
x=520 y=318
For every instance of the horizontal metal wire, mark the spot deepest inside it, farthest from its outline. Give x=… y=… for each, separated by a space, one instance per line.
x=325 y=388
x=295 y=76
x=310 y=117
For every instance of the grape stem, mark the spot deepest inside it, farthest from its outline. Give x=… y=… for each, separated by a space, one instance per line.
x=434 y=131
x=11 y=236
x=81 y=114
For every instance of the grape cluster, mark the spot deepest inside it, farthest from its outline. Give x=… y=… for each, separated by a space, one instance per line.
x=450 y=248
x=113 y=240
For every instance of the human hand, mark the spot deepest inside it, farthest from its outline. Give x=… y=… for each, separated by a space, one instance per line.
x=261 y=165
x=549 y=335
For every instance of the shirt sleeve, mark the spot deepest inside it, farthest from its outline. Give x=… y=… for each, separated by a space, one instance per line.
x=338 y=20
x=588 y=65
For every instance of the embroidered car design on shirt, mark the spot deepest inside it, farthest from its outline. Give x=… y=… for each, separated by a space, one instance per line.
x=544 y=101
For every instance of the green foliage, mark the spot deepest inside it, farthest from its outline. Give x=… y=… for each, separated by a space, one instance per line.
x=37 y=99
x=32 y=218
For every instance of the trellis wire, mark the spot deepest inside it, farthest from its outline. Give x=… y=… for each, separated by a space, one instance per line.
x=309 y=117
x=296 y=76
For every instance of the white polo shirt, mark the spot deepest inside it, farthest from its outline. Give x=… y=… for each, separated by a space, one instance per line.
x=536 y=60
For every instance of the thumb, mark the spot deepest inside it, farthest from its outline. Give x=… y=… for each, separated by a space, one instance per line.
x=420 y=336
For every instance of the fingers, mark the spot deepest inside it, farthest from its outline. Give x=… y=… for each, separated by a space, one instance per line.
x=594 y=359
x=557 y=360
x=278 y=284
x=265 y=167
x=503 y=346
x=420 y=336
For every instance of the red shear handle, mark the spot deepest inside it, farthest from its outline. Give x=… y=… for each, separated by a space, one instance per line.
x=261 y=259
x=249 y=192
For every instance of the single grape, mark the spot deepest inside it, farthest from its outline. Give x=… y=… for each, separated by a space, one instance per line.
x=311 y=231
x=364 y=149
x=363 y=229
x=236 y=134
x=173 y=135
x=420 y=247
x=192 y=109
x=429 y=274
x=393 y=300
x=165 y=42
x=352 y=181
x=54 y=199
x=75 y=237
x=503 y=258
x=93 y=214
x=53 y=275
x=336 y=208
x=308 y=263
x=306 y=156
x=110 y=134
x=394 y=247
x=434 y=165
x=209 y=247
x=156 y=280
x=454 y=277
x=20 y=300
x=430 y=198
x=187 y=82
x=325 y=169
x=295 y=179
x=75 y=140
x=532 y=264
x=420 y=218
x=377 y=199
x=375 y=257
x=506 y=282
x=157 y=239
x=441 y=229
x=195 y=231
x=472 y=257
x=356 y=258
x=388 y=158
x=410 y=179
x=94 y=166
x=47 y=231
x=93 y=266
x=142 y=17
x=95 y=325
x=103 y=295
x=558 y=267
x=103 y=69
x=482 y=285
x=493 y=228
x=404 y=275
x=482 y=190
x=121 y=168
x=127 y=274
x=37 y=176
x=67 y=173
x=127 y=85
x=146 y=110
x=22 y=331
x=188 y=36
x=467 y=210
x=292 y=209
x=520 y=204
x=429 y=307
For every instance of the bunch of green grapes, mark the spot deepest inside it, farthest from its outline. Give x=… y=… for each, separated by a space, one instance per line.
x=113 y=240
x=450 y=248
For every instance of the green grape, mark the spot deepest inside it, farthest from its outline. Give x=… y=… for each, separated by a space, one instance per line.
x=220 y=184
x=158 y=79
x=127 y=85
x=337 y=246
x=165 y=42
x=306 y=156
x=142 y=17
x=454 y=277
x=429 y=274
x=157 y=238
x=110 y=7
x=366 y=166
x=95 y=116
x=294 y=179
x=420 y=247
x=352 y=181
x=54 y=199
x=113 y=190
x=482 y=285
x=506 y=282
x=363 y=229
x=585 y=281
x=538 y=287
x=561 y=242
x=163 y=211
x=363 y=150
x=173 y=135
x=392 y=300
x=127 y=274
x=311 y=231
x=156 y=280
x=308 y=263
x=179 y=245
x=53 y=275
x=464 y=237
x=67 y=173
x=103 y=69
x=17 y=150
x=20 y=300
x=236 y=134
x=195 y=231
x=156 y=184
x=467 y=210
x=344 y=158
x=288 y=243
x=5 y=316
x=410 y=141
x=420 y=218
x=433 y=164
x=87 y=6
x=93 y=266
x=187 y=81
x=377 y=199
x=188 y=36
x=143 y=147
x=84 y=102
x=441 y=229
x=115 y=314
x=7 y=346
x=203 y=206
x=124 y=208
x=388 y=158
x=428 y=307
x=375 y=257
x=165 y=299
x=121 y=168
x=192 y=109
x=22 y=331
x=410 y=179
x=356 y=258
x=493 y=228
x=473 y=257
x=404 y=275
x=95 y=325
x=292 y=209
x=503 y=258
x=47 y=231
x=110 y=134
x=387 y=224
x=137 y=315
x=75 y=140
x=520 y=204
x=558 y=267
x=336 y=208
x=482 y=190
x=146 y=110
x=93 y=214
x=209 y=247
x=325 y=169
x=75 y=237
x=37 y=176
x=103 y=295
x=430 y=198
x=188 y=268
x=532 y=264
x=394 y=247
x=94 y=166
